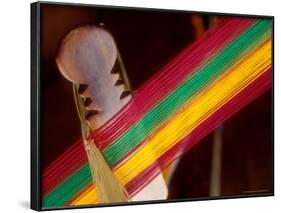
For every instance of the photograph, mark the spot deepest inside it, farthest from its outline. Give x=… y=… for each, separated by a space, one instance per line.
x=134 y=105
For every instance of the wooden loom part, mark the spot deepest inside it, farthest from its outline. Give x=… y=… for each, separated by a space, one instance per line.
x=89 y=58
x=86 y=57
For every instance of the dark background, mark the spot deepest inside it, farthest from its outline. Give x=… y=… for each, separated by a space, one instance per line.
x=148 y=40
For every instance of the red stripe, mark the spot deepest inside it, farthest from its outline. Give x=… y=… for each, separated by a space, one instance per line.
x=67 y=164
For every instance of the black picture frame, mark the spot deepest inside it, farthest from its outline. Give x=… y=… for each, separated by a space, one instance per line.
x=36 y=104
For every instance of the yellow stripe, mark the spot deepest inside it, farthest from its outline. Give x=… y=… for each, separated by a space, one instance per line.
x=191 y=115
x=88 y=196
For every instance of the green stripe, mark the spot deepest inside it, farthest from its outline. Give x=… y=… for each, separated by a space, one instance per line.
x=162 y=111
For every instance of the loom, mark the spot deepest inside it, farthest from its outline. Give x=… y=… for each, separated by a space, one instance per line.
x=205 y=84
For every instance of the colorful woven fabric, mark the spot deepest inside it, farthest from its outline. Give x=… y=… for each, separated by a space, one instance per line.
x=199 y=89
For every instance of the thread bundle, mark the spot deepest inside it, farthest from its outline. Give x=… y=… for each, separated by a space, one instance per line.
x=200 y=88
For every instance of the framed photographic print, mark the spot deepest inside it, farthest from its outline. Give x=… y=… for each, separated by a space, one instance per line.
x=138 y=105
